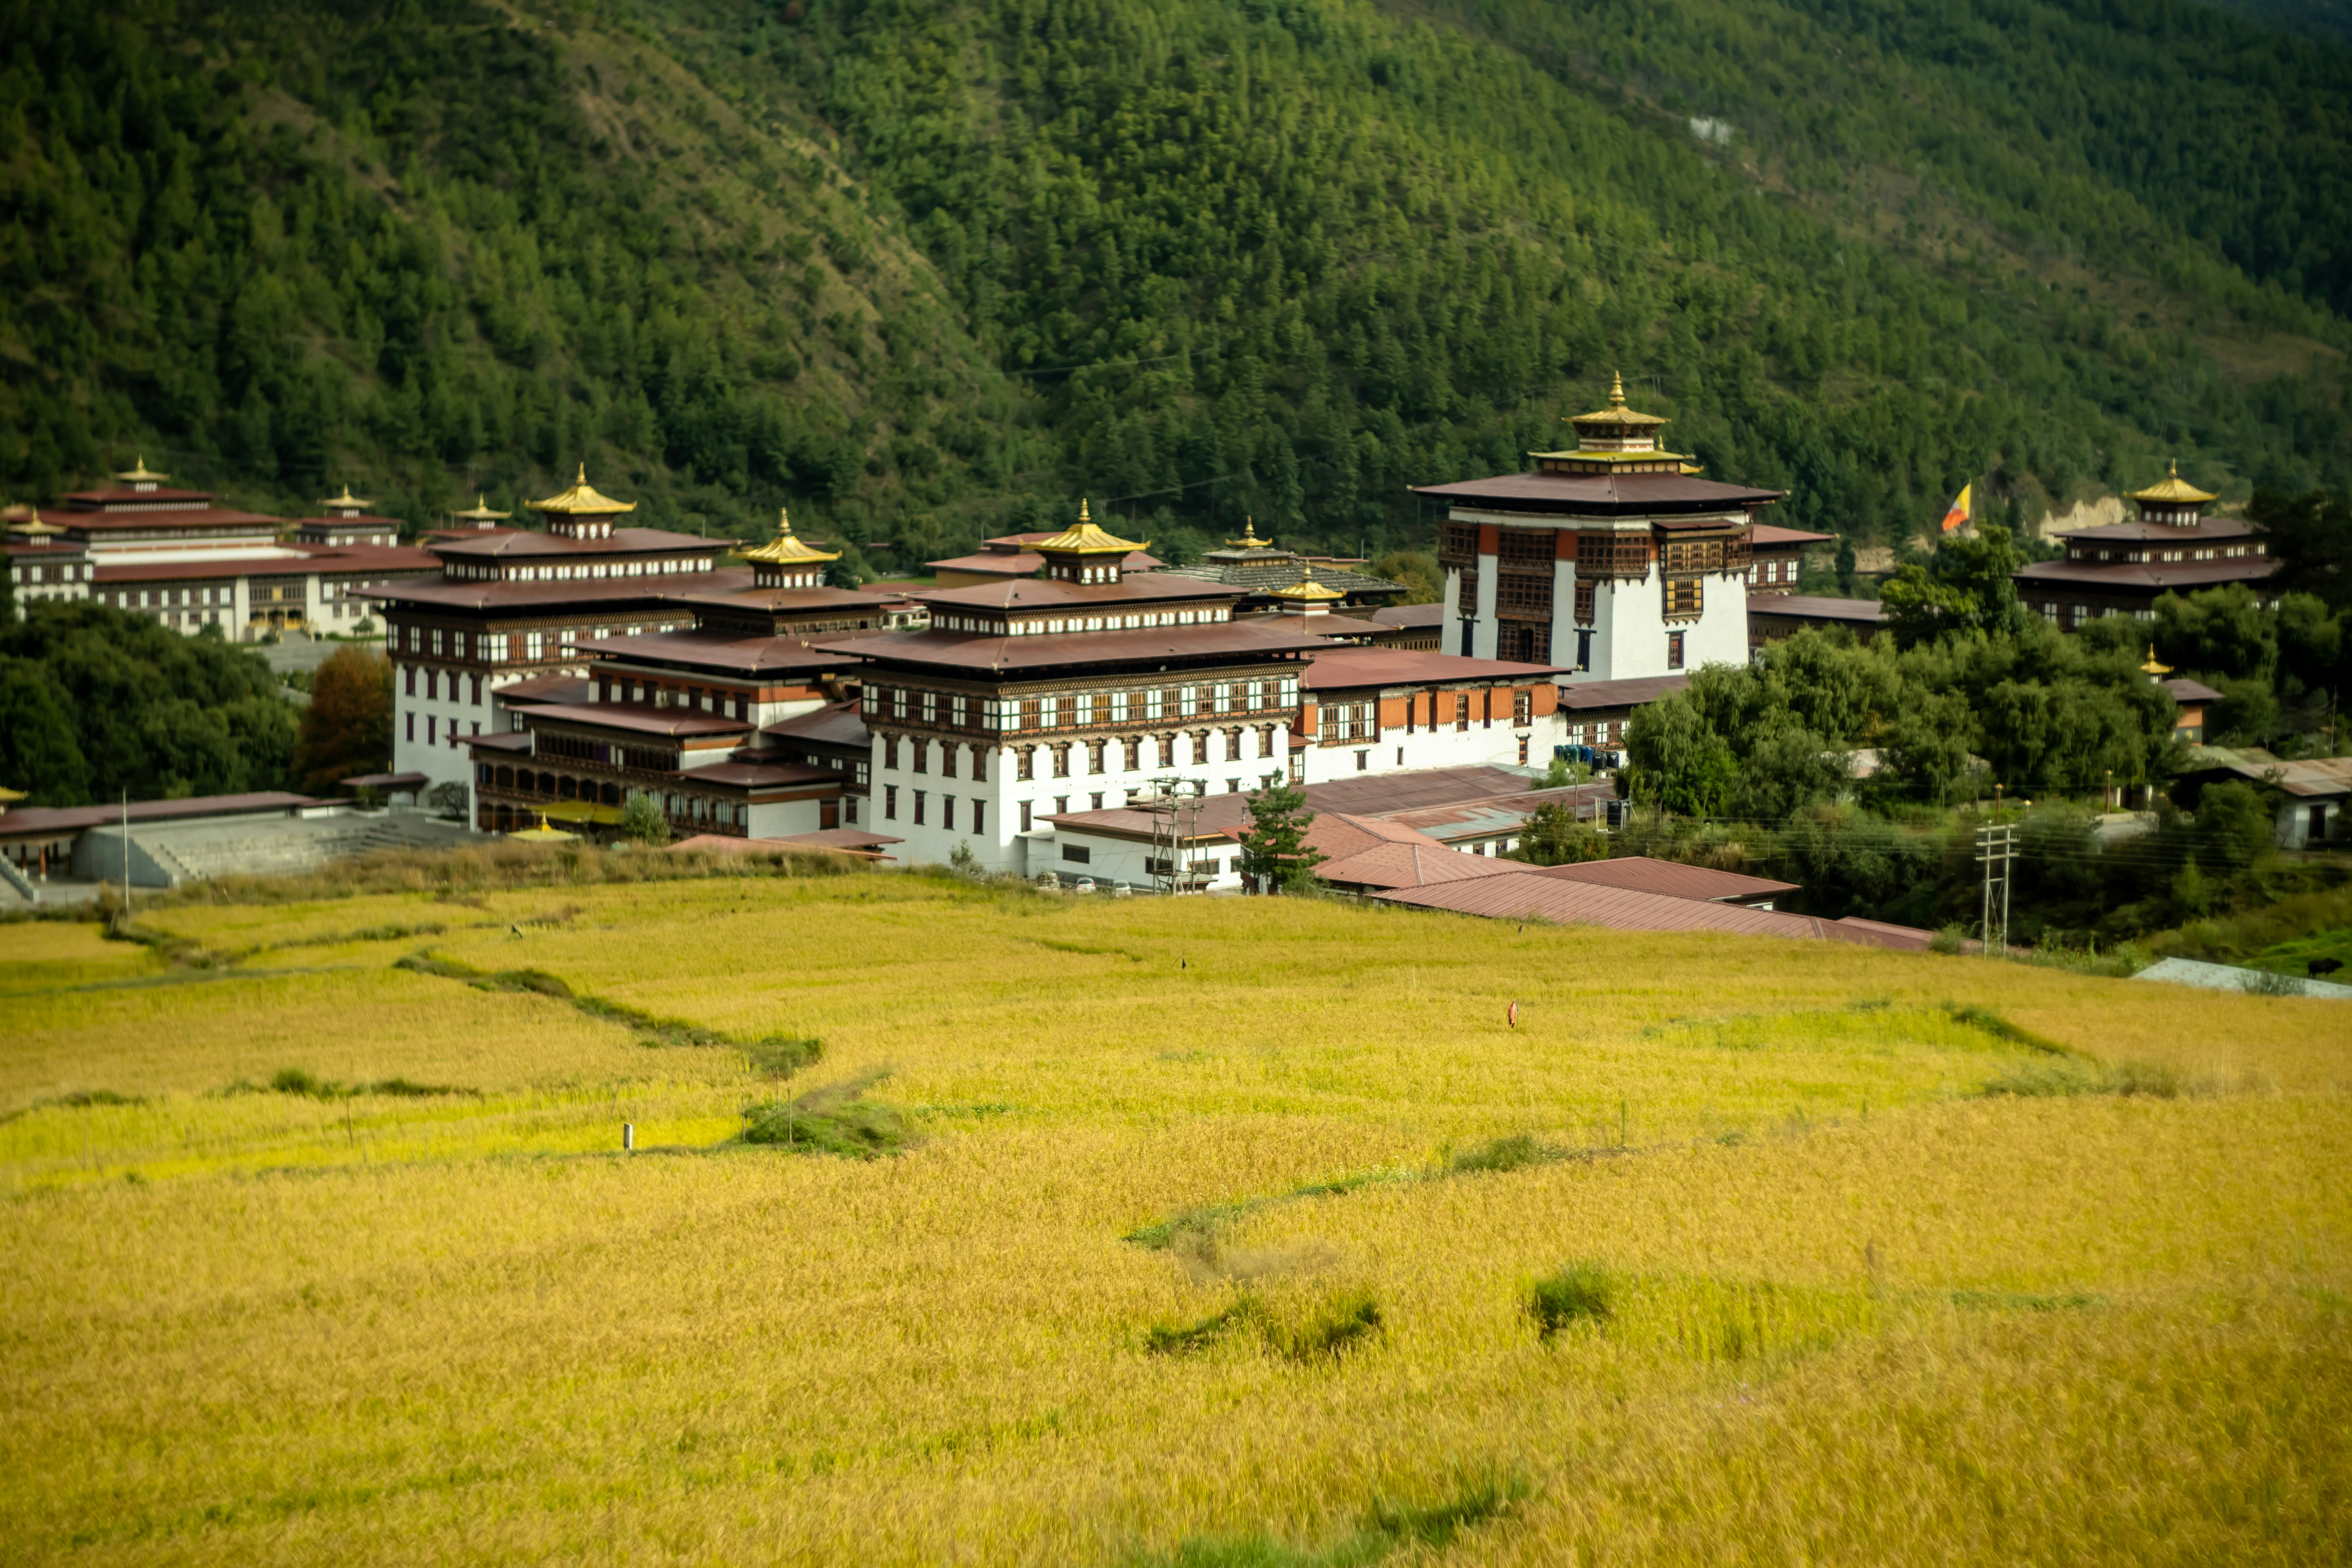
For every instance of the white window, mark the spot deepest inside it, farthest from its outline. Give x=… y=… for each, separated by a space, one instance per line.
x=1151 y=703
x=1224 y=697
x=534 y=647
x=1118 y=707
x=930 y=707
x=898 y=703
x=956 y=711
x=1189 y=701
x=1048 y=711
x=1085 y=708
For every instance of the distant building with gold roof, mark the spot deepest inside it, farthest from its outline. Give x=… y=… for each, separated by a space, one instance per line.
x=2173 y=546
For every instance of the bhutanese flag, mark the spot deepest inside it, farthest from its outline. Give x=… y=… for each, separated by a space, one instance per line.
x=1958 y=516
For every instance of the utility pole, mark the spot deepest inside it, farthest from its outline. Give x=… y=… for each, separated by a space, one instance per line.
x=1996 y=850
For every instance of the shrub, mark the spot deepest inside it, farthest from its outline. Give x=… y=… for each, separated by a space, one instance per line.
x=1502 y=1155
x=834 y=1119
x=1321 y=1330
x=1580 y=1293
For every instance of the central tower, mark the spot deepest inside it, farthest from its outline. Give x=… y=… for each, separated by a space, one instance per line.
x=1612 y=559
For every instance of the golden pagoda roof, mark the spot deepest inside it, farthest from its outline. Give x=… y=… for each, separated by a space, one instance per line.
x=480 y=510
x=347 y=499
x=2173 y=491
x=138 y=474
x=1085 y=539
x=1617 y=412
x=7 y=794
x=582 y=500
x=787 y=548
x=1307 y=590
x=2152 y=668
x=543 y=833
x=1249 y=539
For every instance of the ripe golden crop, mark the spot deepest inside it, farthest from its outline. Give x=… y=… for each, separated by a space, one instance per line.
x=1220 y=1221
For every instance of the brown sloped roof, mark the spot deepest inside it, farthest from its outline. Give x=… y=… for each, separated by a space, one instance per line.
x=1525 y=895
x=1642 y=874
x=640 y=719
x=1767 y=536
x=726 y=651
x=1577 y=696
x=1818 y=608
x=47 y=819
x=1604 y=494
x=1411 y=615
x=1052 y=593
x=1028 y=563
x=473 y=543
x=835 y=724
x=2146 y=577
x=980 y=651
x=590 y=594
x=2184 y=689
x=1422 y=863
x=1338 y=668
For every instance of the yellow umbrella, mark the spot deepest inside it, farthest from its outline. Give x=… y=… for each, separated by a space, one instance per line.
x=543 y=833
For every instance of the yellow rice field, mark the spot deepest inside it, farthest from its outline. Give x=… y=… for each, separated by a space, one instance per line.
x=1857 y=1309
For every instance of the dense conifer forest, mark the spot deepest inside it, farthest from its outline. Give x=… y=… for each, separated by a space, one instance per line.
x=927 y=271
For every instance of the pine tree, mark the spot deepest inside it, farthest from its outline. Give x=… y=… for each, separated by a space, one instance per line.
x=1275 y=856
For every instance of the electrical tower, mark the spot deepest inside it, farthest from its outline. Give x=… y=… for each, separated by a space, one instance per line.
x=1997 y=851
x=1175 y=810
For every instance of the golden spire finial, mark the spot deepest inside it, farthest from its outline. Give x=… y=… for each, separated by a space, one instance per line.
x=1616 y=390
x=1081 y=509
x=2172 y=469
x=2152 y=669
x=481 y=500
x=583 y=473
x=784 y=520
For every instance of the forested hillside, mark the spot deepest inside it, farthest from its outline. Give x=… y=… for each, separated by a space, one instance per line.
x=925 y=269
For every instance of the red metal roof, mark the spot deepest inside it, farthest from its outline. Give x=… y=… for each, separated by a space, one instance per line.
x=640 y=719
x=835 y=724
x=559 y=689
x=1410 y=616
x=590 y=593
x=1582 y=695
x=1769 y=536
x=1348 y=667
x=2146 y=577
x=2184 y=689
x=1644 y=874
x=1025 y=562
x=322 y=560
x=978 y=651
x=1606 y=494
x=1526 y=895
x=52 y=819
x=1052 y=593
x=1817 y=607
x=475 y=544
x=1422 y=863
x=727 y=652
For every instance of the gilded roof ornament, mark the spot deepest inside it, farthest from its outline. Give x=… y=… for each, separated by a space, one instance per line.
x=1307 y=590
x=347 y=502
x=787 y=548
x=1249 y=539
x=138 y=474
x=582 y=500
x=1616 y=413
x=480 y=510
x=1085 y=539
x=2152 y=669
x=2173 y=491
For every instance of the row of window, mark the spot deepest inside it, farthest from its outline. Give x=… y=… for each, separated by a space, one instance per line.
x=1532 y=596
x=1081 y=710
x=1056 y=626
x=2210 y=552
x=433 y=678
x=502 y=648
x=1137 y=754
x=586 y=572
x=54 y=572
x=438 y=730
x=704 y=698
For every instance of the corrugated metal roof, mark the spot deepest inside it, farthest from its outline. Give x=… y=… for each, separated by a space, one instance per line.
x=1349 y=668
x=1577 y=696
x=1604 y=493
x=1421 y=862
x=1643 y=874
x=1524 y=895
